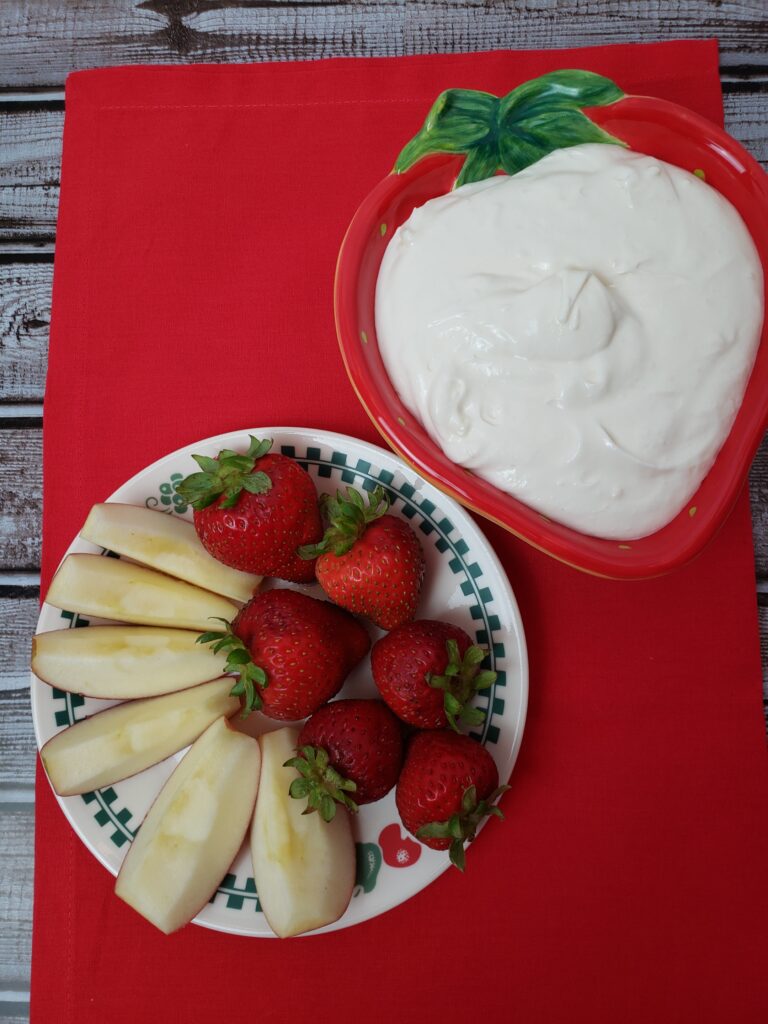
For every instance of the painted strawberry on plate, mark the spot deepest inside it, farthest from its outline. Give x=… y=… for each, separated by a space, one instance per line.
x=397 y=850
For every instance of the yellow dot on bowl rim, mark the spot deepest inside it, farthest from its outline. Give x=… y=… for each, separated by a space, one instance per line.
x=383 y=230
x=401 y=421
x=625 y=547
x=692 y=511
x=363 y=337
x=700 y=174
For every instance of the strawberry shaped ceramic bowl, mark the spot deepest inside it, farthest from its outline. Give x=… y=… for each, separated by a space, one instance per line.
x=461 y=142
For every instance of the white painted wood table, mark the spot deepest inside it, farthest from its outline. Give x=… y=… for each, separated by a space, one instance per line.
x=40 y=42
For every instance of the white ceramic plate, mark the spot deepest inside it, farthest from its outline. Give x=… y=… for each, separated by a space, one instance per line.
x=465 y=584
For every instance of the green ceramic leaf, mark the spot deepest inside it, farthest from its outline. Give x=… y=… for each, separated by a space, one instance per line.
x=482 y=162
x=565 y=89
x=534 y=137
x=368 y=861
x=459 y=120
x=515 y=131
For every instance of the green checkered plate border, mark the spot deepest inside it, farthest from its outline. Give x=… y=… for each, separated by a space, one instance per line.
x=465 y=583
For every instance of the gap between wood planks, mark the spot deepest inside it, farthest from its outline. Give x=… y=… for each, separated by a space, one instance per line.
x=735 y=79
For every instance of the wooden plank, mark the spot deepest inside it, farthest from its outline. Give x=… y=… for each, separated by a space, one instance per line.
x=16 y=876
x=25 y=315
x=758 y=492
x=762 y=615
x=45 y=39
x=745 y=106
x=18 y=751
x=30 y=161
x=18 y=610
x=21 y=484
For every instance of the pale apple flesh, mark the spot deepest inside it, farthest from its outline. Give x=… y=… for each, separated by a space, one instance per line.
x=304 y=867
x=123 y=662
x=166 y=543
x=113 y=589
x=121 y=741
x=194 y=829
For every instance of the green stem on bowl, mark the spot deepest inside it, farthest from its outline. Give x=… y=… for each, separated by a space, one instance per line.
x=508 y=133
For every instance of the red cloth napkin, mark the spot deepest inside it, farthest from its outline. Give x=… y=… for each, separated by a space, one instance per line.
x=201 y=213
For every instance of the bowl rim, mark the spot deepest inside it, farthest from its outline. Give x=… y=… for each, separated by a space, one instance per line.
x=393 y=429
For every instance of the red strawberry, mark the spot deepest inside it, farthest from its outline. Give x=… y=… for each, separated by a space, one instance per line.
x=253 y=511
x=428 y=673
x=447 y=786
x=298 y=569
x=292 y=652
x=348 y=747
x=370 y=563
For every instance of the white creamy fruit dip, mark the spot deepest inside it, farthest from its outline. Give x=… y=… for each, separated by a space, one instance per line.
x=579 y=334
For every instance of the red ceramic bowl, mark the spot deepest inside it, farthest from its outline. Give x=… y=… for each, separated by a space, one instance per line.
x=661 y=129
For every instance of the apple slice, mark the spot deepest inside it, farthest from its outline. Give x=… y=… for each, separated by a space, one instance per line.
x=123 y=662
x=126 y=739
x=193 y=830
x=166 y=543
x=112 y=589
x=304 y=867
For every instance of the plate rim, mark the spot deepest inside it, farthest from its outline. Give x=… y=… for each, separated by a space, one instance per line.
x=332 y=439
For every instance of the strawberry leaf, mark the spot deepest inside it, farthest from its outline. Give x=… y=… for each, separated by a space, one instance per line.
x=348 y=518
x=251 y=677
x=207 y=464
x=225 y=478
x=322 y=785
x=469 y=800
x=461 y=827
x=434 y=830
x=299 y=788
x=457 y=854
x=460 y=680
x=257 y=483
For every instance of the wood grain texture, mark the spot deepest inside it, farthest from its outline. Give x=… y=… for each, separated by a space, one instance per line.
x=16 y=876
x=762 y=615
x=21 y=484
x=18 y=751
x=18 y=611
x=25 y=315
x=45 y=39
x=30 y=161
x=758 y=492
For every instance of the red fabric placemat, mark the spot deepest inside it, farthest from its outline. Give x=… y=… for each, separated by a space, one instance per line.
x=201 y=212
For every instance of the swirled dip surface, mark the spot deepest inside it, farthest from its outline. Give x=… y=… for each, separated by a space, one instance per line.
x=579 y=334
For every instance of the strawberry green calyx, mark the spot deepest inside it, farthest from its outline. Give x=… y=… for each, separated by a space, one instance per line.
x=348 y=516
x=227 y=476
x=321 y=784
x=460 y=681
x=239 y=661
x=461 y=827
